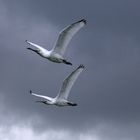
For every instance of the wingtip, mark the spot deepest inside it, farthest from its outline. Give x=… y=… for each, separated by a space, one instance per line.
x=83 y=20
x=81 y=66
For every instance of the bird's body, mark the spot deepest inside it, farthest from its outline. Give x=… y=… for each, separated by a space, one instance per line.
x=58 y=103
x=55 y=57
x=56 y=54
x=61 y=98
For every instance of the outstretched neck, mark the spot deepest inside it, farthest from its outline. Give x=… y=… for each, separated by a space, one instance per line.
x=44 y=53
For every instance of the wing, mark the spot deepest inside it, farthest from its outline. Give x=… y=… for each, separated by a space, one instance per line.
x=66 y=35
x=35 y=45
x=41 y=96
x=68 y=83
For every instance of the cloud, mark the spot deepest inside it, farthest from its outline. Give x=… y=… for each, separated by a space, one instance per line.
x=107 y=92
x=15 y=126
x=25 y=131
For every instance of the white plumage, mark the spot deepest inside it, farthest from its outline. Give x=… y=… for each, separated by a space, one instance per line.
x=61 y=98
x=57 y=52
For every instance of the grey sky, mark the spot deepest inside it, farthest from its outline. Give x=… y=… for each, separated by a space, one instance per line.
x=107 y=92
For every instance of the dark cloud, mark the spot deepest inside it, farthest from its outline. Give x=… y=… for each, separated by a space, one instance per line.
x=108 y=89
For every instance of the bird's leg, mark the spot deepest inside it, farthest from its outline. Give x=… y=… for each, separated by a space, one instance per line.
x=71 y=104
x=66 y=62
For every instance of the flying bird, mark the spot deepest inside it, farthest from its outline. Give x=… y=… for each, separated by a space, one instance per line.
x=56 y=54
x=62 y=98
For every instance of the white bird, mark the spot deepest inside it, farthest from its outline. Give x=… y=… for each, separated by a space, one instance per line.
x=57 y=52
x=61 y=98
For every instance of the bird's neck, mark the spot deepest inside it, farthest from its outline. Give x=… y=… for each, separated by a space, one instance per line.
x=45 y=53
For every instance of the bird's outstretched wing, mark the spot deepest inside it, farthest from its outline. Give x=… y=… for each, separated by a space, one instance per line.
x=41 y=96
x=35 y=45
x=68 y=83
x=66 y=35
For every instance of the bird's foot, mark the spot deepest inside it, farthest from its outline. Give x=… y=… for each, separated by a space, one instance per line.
x=72 y=104
x=66 y=62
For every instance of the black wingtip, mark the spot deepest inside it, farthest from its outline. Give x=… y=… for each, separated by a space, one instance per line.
x=81 y=66
x=83 y=20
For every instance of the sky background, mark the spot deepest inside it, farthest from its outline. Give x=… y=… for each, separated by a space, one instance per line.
x=108 y=90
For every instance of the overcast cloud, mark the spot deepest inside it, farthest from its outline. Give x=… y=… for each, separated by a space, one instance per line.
x=107 y=92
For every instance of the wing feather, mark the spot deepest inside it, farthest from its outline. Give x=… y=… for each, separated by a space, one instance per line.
x=68 y=83
x=66 y=35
